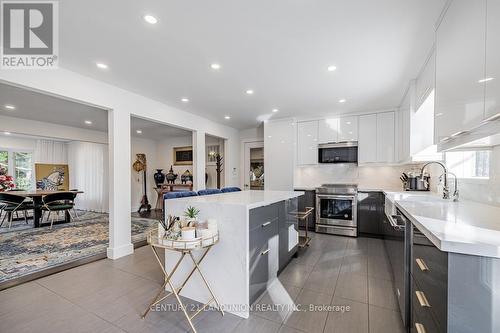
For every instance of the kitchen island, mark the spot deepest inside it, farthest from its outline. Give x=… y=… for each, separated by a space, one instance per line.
x=257 y=238
x=451 y=275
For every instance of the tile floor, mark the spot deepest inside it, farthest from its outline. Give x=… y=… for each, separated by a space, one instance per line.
x=108 y=296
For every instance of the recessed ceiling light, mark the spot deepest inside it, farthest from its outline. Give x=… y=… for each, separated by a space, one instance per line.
x=10 y=107
x=439 y=114
x=215 y=66
x=348 y=122
x=343 y=100
x=101 y=65
x=486 y=79
x=150 y=19
x=275 y=110
x=6 y=133
x=332 y=68
x=249 y=92
x=138 y=131
x=88 y=122
x=227 y=117
x=185 y=100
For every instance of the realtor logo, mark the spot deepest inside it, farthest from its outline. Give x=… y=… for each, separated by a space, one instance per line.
x=29 y=34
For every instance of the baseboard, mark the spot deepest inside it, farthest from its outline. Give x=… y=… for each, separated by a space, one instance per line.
x=118 y=252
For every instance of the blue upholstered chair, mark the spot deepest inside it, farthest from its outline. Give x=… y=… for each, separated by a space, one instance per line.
x=230 y=189
x=183 y=194
x=209 y=191
x=175 y=195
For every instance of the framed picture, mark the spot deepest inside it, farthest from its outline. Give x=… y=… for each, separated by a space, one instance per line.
x=183 y=155
x=52 y=177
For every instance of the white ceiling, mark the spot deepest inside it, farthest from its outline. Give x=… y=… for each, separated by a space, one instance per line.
x=41 y=107
x=280 y=49
x=155 y=131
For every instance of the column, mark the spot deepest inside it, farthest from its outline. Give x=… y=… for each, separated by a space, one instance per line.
x=199 y=160
x=120 y=240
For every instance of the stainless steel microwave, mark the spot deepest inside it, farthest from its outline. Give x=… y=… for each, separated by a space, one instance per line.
x=338 y=152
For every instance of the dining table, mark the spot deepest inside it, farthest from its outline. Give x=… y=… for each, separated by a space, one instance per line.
x=36 y=196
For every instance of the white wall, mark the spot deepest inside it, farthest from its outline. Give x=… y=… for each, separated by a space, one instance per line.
x=165 y=154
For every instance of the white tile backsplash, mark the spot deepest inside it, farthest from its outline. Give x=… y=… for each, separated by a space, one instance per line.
x=367 y=177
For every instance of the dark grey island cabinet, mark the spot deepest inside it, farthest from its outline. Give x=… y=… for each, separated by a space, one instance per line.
x=371 y=213
x=273 y=240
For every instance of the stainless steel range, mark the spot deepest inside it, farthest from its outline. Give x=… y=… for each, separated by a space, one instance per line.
x=336 y=211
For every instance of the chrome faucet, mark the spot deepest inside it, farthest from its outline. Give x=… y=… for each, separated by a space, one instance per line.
x=446 y=190
x=455 y=189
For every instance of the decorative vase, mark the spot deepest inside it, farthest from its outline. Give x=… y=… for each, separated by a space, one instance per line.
x=186 y=177
x=171 y=176
x=159 y=177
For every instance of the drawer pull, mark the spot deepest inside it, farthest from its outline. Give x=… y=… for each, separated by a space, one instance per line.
x=264 y=252
x=420 y=328
x=422 y=299
x=422 y=265
x=266 y=224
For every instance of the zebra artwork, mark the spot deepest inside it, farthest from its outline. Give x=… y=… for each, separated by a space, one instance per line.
x=52 y=181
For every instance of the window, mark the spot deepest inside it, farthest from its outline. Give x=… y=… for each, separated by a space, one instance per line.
x=469 y=164
x=4 y=160
x=19 y=165
x=23 y=174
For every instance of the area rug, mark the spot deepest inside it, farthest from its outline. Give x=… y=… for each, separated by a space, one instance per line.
x=28 y=251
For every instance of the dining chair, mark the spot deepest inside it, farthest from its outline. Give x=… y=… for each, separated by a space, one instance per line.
x=12 y=203
x=58 y=202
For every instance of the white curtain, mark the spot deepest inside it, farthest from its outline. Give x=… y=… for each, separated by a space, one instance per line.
x=88 y=170
x=51 y=152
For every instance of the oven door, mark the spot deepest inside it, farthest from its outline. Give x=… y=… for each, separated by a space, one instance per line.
x=338 y=210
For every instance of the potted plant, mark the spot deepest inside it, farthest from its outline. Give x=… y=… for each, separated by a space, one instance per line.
x=191 y=213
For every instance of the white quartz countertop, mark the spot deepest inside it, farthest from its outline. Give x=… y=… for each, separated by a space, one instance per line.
x=464 y=227
x=250 y=199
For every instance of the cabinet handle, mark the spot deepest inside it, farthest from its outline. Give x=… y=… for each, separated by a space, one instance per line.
x=420 y=328
x=422 y=265
x=422 y=299
x=264 y=252
x=266 y=224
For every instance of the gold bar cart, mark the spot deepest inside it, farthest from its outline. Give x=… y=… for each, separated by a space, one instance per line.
x=185 y=248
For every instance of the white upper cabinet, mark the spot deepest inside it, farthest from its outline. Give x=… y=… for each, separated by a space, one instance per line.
x=492 y=101
x=385 y=137
x=328 y=130
x=348 y=128
x=460 y=54
x=367 y=139
x=307 y=142
x=279 y=154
